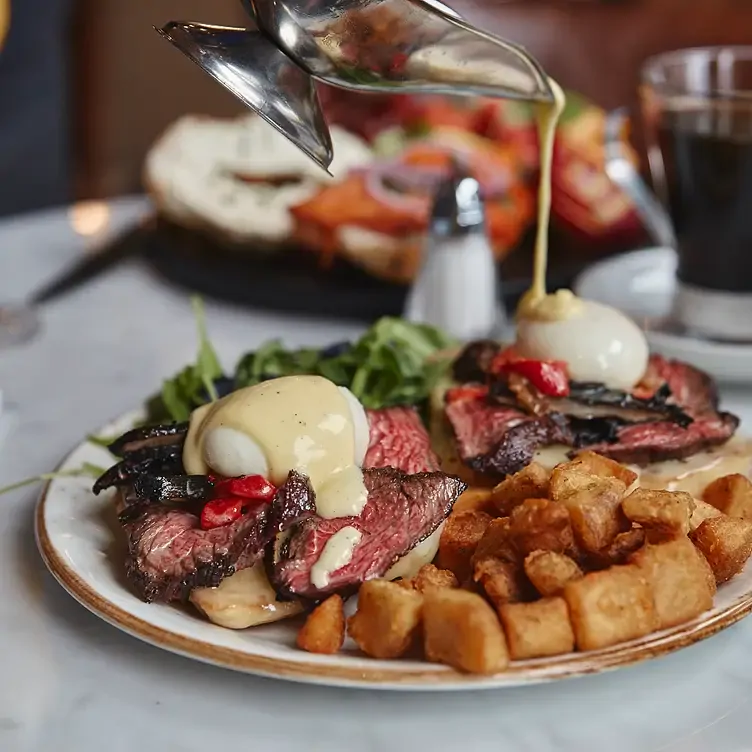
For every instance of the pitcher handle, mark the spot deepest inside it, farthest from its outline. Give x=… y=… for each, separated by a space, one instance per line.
x=622 y=172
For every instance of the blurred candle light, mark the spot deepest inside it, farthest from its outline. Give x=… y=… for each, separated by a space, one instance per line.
x=89 y=218
x=4 y=20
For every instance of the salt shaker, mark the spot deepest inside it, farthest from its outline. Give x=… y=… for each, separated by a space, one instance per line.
x=456 y=289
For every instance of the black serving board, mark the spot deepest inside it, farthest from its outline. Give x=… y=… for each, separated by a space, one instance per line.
x=292 y=281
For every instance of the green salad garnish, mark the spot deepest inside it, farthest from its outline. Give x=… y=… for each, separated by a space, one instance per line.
x=86 y=470
x=393 y=363
x=194 y=385
x=387 y=366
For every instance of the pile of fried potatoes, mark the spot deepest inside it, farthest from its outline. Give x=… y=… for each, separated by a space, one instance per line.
x=551 y=562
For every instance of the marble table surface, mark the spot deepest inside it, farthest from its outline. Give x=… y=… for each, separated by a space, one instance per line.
x=71 y=683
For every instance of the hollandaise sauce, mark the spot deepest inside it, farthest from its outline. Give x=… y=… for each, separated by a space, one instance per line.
x=303 y=423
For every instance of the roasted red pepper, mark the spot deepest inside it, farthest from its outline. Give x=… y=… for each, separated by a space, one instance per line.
x=398 y=62
x=548 y=376
x=233 y=497
x=466 y=392
x=254 y=487
x=500 y=361
x=220 y=512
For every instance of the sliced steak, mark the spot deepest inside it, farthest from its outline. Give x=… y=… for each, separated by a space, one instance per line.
x=518 y=445
x=479 y=426
x=169 y=554
x=672 y=415
x=401 y=511
x=295 y=500
x=399 y=439
x=644 y=443
x=691 y=389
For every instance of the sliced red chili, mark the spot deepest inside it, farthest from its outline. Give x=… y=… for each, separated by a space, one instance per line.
x=502 y=359
x=254 y=487
x=466 y=392
x=549 y=377
x=221 y=512
x=398 y=62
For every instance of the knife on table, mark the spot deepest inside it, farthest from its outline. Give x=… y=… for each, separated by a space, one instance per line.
x=19 y=323
x=124 y=245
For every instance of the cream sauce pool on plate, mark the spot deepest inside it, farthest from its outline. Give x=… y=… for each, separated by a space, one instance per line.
x=303 y=423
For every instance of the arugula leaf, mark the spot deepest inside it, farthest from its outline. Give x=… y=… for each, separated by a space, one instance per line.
x=207 y=363
x=87 y=470
x=271 y=360
x=387 y=366
x=194 y=385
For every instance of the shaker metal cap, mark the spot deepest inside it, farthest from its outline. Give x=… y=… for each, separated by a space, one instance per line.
x=457 y=206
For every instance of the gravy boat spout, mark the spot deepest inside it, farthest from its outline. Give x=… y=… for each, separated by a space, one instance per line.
x=377 y=46
x=263 y=77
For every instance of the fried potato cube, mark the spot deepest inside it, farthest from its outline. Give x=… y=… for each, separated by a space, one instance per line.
x=529 y=483
x=501 y=581
x=497 y=541
x=595 y=512
x=550 y=571
x=461 y=630
x=703 y=511
x=534 y=630
x=540 y=524
x=679 y=576
x=430 y=577
x=618 y=552
x=458 y=541
x=610 y=607
x=666 y=512
x=569 y=477
x=475 y=499
x=732 y=494
x=604 y=467
x=726 y=543
x=387 y=620
x=324 y=629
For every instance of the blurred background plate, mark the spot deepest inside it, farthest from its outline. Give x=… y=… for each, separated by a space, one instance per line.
x=293 y=281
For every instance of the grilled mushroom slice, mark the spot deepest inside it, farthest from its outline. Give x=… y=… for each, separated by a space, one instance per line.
x=157 y=460
x=146 y=437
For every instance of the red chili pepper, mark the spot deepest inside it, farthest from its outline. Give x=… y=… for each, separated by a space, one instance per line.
x=220 y=512
x=398 y=62
x=466 y=392
x=254 y=487
x=502 y=359
x=548 y=376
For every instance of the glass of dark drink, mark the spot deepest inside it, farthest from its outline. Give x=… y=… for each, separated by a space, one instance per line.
x=697 y=109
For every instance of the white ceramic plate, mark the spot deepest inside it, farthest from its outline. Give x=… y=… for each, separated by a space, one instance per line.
x=642 y=285
x=77 y=535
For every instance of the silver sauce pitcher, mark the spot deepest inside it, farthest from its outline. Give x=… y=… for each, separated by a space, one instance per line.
x=378 y=46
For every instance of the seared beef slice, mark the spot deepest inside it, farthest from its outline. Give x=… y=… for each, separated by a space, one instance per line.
x=401 y=511
x=169 y=554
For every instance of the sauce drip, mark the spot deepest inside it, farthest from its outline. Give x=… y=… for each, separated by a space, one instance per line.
x=337 y=553
x=597 y=342
x=536 y=304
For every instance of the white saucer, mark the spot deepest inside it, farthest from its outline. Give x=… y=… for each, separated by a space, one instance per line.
x=642 y=285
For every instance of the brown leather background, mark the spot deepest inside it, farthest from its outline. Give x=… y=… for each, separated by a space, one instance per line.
x=131 y=84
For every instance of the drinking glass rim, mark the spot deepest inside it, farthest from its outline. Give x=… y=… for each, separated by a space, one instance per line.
x=651 y=72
